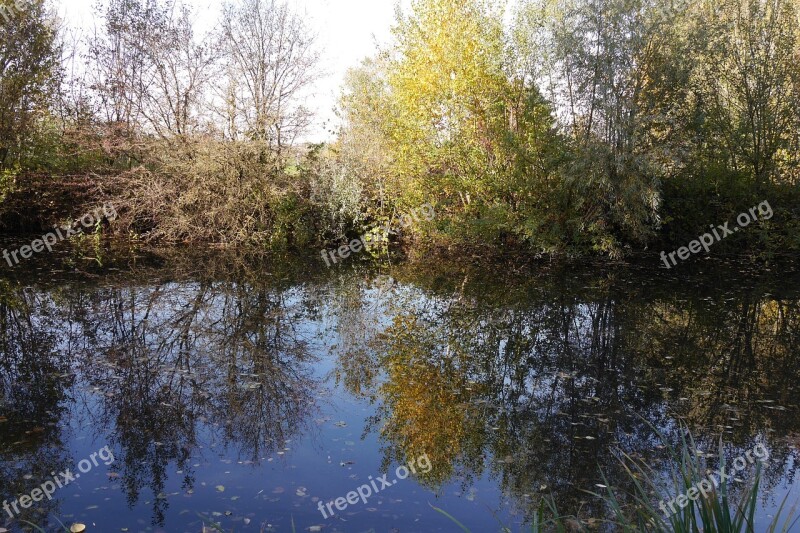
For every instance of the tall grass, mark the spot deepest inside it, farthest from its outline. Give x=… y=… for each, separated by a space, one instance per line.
x=638 y=510
x=713 y=512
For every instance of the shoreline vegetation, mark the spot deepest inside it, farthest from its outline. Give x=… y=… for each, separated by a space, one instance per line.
x=720 y=507
x=577 y=129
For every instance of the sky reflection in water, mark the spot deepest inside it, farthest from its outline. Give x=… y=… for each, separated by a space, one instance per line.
x=247 y=395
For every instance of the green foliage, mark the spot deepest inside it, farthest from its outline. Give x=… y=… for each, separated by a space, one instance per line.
x=455 y=111
x=336 y=189
x=56 y=150
x=707 y=513
x=453 y=127
x=638 y=512
x=7 y=180
x=29 y=59
x=748 y=80
x=581 y=127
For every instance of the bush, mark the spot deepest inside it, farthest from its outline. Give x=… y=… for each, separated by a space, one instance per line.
x=214 y=191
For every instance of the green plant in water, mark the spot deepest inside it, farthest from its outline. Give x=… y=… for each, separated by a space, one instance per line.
x=711 y=513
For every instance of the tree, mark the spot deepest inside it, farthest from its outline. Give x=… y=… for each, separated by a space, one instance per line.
x=29 y=63
x=457 y=124
x=120 y=68
x=181 y=71
x=149 y=73
x=748 y=81
x=595 y=59
x=271 y=60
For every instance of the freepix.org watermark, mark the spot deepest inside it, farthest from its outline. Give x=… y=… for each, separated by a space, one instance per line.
x=705 y=241
x=706 y=486
x=368 y=240
x=87 y=221
x=59 y=481
x=365 y=491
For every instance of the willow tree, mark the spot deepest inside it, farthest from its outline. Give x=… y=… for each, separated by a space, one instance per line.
x=596 y=61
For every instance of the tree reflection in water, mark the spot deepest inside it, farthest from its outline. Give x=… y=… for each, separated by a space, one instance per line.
x=552 y=377
x=535 y=379
x=157 y=364
x=34 y=378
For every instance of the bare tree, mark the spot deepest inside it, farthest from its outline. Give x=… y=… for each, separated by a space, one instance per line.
x=181 y=72
x=148 y=69
x=271 y=59
x=119 y=68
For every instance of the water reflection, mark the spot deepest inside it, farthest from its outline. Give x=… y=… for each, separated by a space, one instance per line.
x=550 y=378
x=34 y=379
x=532 y=380
x=151 y=364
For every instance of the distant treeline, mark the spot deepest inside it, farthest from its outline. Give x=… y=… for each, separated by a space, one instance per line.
x=563 y=127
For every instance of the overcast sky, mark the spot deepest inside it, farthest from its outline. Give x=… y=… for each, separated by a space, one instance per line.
x=347 y=32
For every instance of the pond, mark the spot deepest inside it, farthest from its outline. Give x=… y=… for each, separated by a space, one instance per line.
x=165 y=391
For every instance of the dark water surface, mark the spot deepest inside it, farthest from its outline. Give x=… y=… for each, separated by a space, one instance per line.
x=248 y=393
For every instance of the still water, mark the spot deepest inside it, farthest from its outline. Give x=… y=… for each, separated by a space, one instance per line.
x=253 y=393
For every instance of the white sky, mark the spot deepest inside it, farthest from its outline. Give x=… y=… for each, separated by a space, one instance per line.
x=347 y=29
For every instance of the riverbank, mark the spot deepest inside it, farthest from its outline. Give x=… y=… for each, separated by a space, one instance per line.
x=296 y=210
